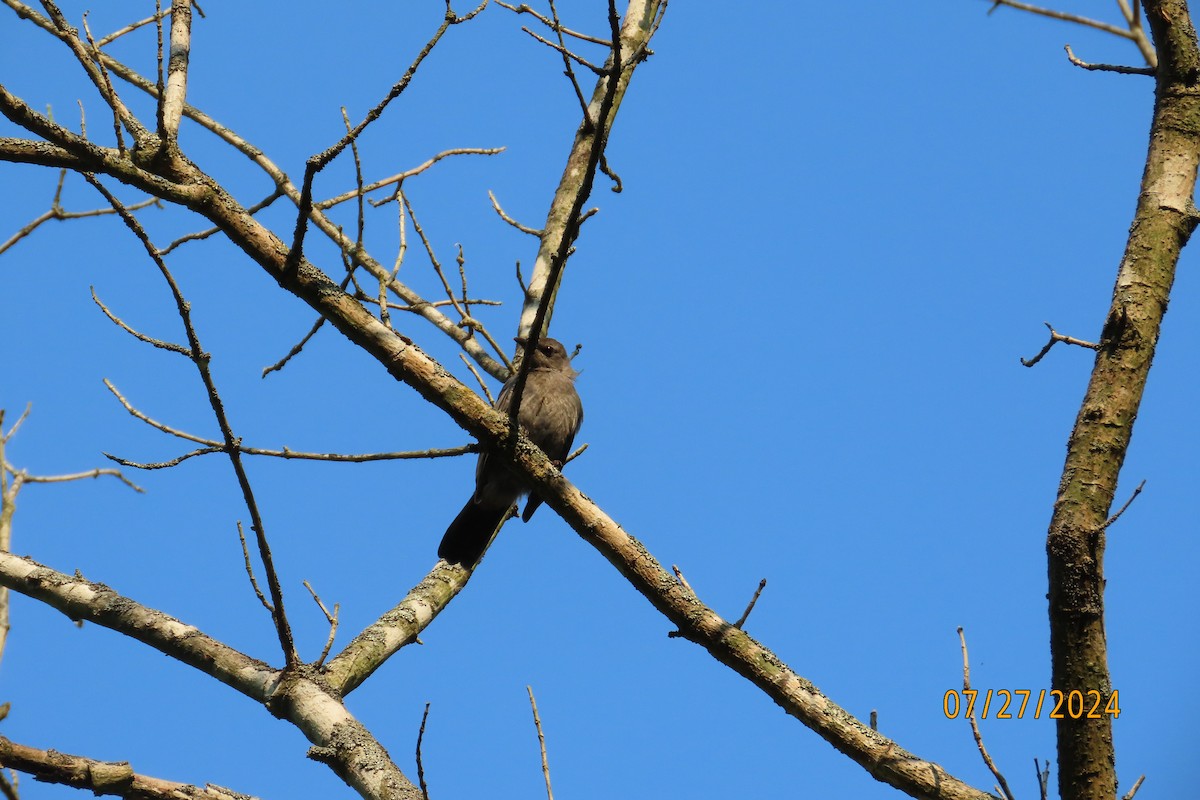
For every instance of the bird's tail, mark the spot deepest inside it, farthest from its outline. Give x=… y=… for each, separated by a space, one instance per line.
x=471 y=531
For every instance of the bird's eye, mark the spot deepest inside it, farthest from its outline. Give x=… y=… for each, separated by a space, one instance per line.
x=547 y=349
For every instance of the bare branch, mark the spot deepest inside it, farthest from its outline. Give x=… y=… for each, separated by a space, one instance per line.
x=79 y=476
x=250 y=571
x=1122 y=70
x=395 y=629
x=1055 y=338
x=1128 y=502
x=102 y=777
x=506 y=218
x=578 y=452
x=553 y=24
x=4 y=437
x=400 y=177
x=215 y=446
x=578 y=59
x=159 y=343
x=1133 y=790
x=482 y=385
x=420 y=762
x=537 y=723
x=568 y=70
x=108 y=91
x=1043 y=777
x=56 y=212
x=173 y=462
x=987 y=759
x=177 y=70
x=332 y=619
x=433 y=259
x=750 y=607
x=130 y=28
x=1064 y=16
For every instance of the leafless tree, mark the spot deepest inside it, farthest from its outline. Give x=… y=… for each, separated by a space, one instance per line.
x=360 y=296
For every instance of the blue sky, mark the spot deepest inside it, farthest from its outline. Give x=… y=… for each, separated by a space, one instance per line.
x=801 y=322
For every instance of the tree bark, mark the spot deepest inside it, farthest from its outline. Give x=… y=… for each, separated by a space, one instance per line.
x=1163 y=222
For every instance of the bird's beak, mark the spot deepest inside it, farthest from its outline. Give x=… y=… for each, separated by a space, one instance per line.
x=521 y=340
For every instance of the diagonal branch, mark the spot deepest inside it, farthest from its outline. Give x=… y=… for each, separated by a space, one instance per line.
x=395 y=629
x=102 y=777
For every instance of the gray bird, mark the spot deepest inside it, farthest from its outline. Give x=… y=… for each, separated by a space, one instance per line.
x=550 y=416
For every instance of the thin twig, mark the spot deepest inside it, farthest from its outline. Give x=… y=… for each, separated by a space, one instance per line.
x=522 y=228
x=475 y=301
x=1117 y=515
x=299 y=346
x=1065 y=17
x=482 y=385
x=682 y=580
x=402 y=230
x=433 y=259
x=617 y=187
x=750 y=607
x=79 y=476
x=213 y=445
x=567 y=69
x=204 y=234
x=1137 y=785
x=332 y=619
x=1055 y=338
x=420 y=763
x=1043 y=777
x=56 y=212
x=402 y=176
x=578 y=452
x=130 y=28
x=4 y=437
x=524 y=9
x=107 y=91
x=159 y=343
x=578 y=59
x=173 y=462
x=537 y=723
x=250 y=570
x=296 y=348
x=987 y=759
x=1117 y=68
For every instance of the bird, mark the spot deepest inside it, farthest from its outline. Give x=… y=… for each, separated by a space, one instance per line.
x=550 y=415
